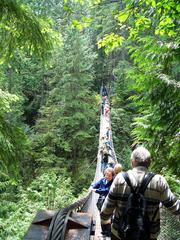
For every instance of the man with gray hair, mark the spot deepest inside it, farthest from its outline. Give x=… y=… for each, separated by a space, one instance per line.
x=157 y=192
x=141 y=155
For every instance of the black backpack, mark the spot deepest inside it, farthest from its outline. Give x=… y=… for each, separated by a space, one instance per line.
x=135 y=224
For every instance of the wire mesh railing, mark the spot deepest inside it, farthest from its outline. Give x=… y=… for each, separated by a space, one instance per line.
x=170 y=226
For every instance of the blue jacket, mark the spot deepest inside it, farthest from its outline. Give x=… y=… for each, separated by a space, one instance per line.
x=102 y=186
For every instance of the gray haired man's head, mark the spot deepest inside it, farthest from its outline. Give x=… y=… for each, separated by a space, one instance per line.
x=141 y=156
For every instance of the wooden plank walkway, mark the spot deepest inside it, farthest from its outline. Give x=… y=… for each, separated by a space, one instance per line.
x=104 y=125
x=98 y=235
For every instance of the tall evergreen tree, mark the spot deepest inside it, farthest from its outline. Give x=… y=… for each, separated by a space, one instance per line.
x=65 y=132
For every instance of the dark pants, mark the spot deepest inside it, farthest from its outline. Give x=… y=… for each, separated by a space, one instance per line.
x=115 y=238
x=102 y=109
x=106 y=229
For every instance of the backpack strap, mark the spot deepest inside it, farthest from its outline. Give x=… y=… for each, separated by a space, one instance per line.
x=145 y=182
x=126 y=178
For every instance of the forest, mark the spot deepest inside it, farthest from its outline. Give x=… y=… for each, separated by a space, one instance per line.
x=54 y=57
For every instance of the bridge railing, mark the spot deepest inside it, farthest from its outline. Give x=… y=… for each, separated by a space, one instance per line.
x=170 y=226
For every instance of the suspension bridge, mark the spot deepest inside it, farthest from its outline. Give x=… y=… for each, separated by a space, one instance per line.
x=81 y=220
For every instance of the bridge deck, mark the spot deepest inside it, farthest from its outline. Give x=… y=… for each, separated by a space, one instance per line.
x=98 y=235
x=104 y=124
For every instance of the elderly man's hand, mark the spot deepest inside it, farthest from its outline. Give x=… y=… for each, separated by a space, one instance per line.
x=106 y=222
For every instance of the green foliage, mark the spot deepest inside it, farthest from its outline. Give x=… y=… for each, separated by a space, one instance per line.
x=56 y=105
x=172 y=180
x=12 y=138
x=110 y=42
x=48 y=191
x=26 y=77
x=85 y=22
x=144 y=17
x=159 y=17
x=158 y=100
x=20 y=28
x=121 y=115
x=8 y=189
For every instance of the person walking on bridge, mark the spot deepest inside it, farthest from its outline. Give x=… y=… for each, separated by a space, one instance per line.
x=156 y=191
x=104 y=91
x=105 y=160
x=102 y=188
x=117 y=169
